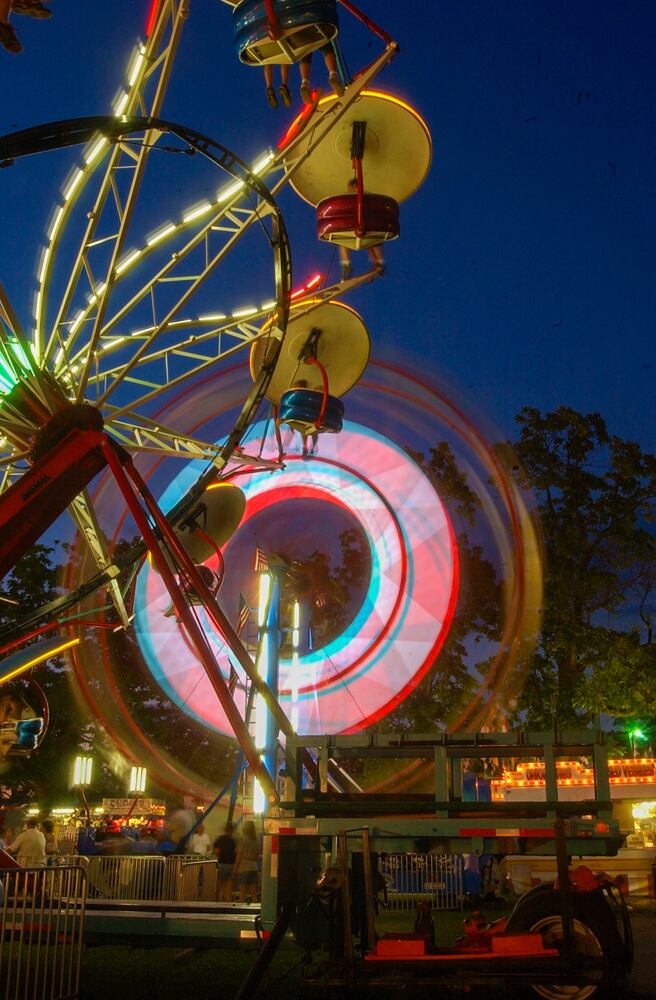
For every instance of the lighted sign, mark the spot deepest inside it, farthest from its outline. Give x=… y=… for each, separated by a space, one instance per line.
x=402 y=622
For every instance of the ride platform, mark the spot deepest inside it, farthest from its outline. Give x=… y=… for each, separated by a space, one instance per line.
x=170 y=923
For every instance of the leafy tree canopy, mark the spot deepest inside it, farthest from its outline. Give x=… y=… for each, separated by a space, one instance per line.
x=597 y=500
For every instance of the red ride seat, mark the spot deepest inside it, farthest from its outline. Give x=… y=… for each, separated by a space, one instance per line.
x=337 y=220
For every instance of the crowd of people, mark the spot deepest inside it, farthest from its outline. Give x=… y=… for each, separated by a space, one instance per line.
x=237 y=856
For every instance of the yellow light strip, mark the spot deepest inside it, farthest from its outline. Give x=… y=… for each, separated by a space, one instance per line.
x=262 y=162
x=228 y=192
x=55 y=222
x=95 y=150
x=383 y=97
x=76 y=322
x=124 y=264
x=196 y=212
x=138 y=62
x=121 y=104
x=161 y=234
x=73 y=183
x=38 y=659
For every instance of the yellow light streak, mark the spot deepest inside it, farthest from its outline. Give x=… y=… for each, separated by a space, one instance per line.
x=262 y=162
x=161 y=234
x=127 y=262
x=44 y=264
x=121 y=103
x=94 y=295
x=246 y=311
x=211 y=318
x=138 y=63
x=196 y=212
x=259 y=801
x=73 y=183
x=38 y=659
x=76 y=322
x=95 y=150
x=229 y=192
x=55 y=222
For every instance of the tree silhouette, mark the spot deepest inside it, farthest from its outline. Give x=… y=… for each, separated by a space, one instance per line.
x=597 y=500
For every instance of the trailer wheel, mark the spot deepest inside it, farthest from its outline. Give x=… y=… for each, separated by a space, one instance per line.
x=595 y=935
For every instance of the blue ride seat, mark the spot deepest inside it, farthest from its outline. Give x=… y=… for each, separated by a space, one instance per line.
x=304 y=26
x=301 y=409
x=27 y=736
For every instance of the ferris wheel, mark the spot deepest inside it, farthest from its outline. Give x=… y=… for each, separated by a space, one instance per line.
x=125 y=310
x=132 y=319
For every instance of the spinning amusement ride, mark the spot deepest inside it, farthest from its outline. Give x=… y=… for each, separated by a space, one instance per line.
x=128 y=365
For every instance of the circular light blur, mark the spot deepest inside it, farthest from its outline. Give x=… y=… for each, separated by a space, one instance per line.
x=393 y=639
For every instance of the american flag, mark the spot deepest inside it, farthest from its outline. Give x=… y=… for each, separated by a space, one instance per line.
x=261 y=563
x=242 y=617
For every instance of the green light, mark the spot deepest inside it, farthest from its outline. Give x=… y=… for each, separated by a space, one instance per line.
x=19 y=351
x=14 y=365
x=637 y=734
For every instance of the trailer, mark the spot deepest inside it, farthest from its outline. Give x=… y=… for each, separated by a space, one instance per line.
x=321 y=867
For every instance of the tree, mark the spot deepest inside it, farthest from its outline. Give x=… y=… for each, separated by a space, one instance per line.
x=45 y=773
x=597 y=499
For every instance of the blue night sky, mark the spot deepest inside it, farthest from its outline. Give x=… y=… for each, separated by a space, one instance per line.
x=525 y=269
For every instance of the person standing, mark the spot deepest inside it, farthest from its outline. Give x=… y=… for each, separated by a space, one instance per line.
x=29 y=847
x=200 y=842
x=225 y=849
x=48 y=831
x=248 y=853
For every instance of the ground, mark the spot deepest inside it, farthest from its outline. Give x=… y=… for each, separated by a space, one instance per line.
x=168 y=974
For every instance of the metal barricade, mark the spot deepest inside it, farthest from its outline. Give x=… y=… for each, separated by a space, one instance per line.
x=187 y=878
x=198 y=880
x=126 y=877
x=413 y=878
x=41 y=931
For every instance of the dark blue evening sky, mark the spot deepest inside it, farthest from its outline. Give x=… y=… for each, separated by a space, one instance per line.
x=525 y=269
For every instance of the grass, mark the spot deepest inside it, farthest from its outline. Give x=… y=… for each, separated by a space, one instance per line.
x=121 y=973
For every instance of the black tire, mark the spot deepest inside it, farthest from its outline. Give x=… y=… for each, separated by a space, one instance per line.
x=595 y=933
